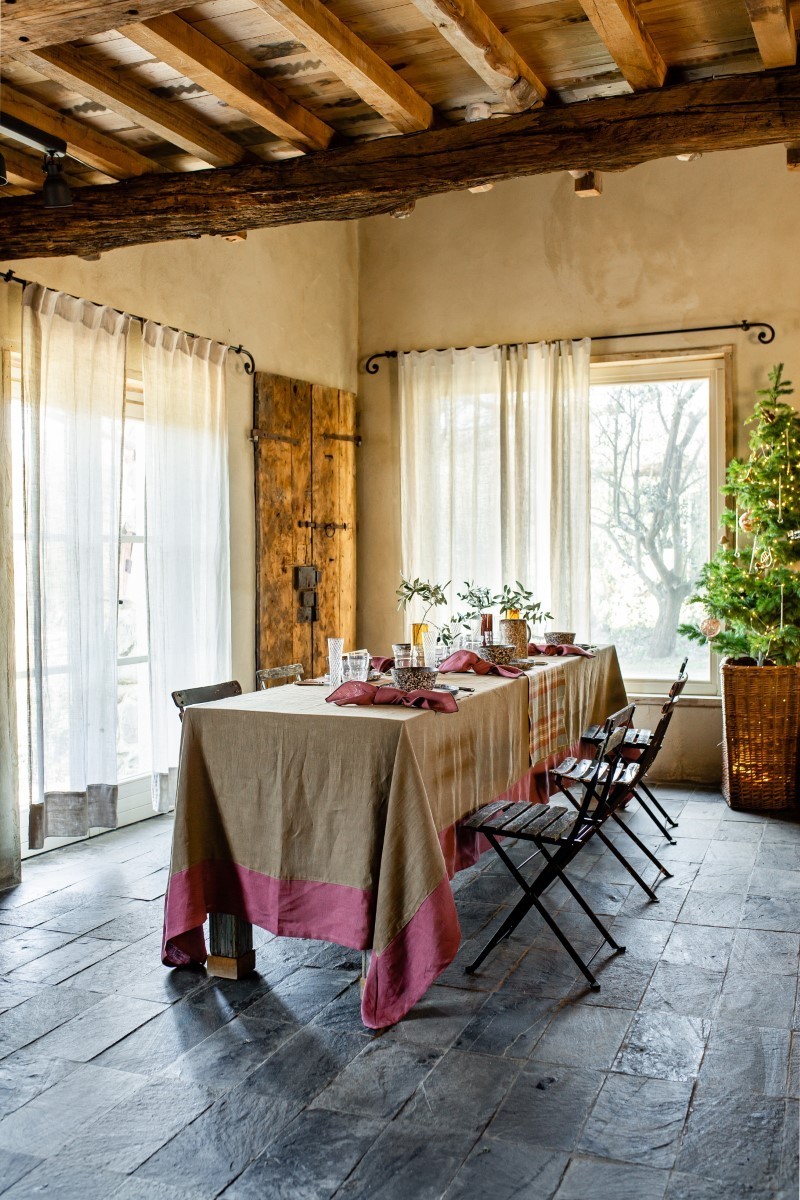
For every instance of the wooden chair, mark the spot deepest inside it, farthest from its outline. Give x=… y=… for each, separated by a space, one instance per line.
x=204 y=695
x=558 y=835
x=269 y=675
x=640 y=741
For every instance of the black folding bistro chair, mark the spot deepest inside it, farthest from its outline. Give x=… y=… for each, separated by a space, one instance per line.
x=558 y=834
x=639 y=741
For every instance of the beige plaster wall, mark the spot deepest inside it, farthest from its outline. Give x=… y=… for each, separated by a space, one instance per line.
x=289 y=295
x=667 y=244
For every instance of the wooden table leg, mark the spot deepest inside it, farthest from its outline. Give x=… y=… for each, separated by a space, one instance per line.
x=231 y=953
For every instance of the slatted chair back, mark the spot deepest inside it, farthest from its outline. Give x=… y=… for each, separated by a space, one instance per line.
x=598 y=787
x=651 y=751
x=270 y=676
x=205 y=695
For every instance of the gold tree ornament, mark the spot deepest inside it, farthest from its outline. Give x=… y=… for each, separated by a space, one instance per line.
x=766 y=560
x=747 y=522
x=710 y=627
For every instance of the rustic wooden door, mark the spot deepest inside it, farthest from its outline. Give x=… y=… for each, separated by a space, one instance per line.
x=304 y=439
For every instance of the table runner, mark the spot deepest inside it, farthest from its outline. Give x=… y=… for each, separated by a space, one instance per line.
x=343 y=823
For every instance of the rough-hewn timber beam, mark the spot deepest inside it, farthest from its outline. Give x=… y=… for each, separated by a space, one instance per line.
x=773 y=26
x=619 y=27
x=474 y=35
x=353 y=61
x=88 y=145
x=29 y=24
x=379 y=176
x=174 y=41
x=91 y=78
x=22 y=170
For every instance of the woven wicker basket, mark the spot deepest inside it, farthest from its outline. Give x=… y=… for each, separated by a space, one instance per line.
x=761 y=736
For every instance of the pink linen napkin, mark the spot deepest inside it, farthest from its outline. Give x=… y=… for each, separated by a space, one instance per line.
x=550 y=651
x=381 y=664
x=368 y=693
x=461 y=661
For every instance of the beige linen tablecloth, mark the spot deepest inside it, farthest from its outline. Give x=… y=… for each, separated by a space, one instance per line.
x=343 y=823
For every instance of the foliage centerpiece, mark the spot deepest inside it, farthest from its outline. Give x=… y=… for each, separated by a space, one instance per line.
x=518 y=604
x=751 y=593
x=432 y=595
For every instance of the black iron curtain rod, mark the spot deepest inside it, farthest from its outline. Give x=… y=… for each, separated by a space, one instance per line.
x=766 y=335
x=248 y=363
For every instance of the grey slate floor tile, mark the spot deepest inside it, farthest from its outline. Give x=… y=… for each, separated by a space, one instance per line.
x=379 y=1080
x=637 y=1120
x=508 y=1171
x=753 y=1158
x=663 y=1045
x=582 y=1035
x=596 y=1179
x=58 y=1114
x=14 y=1167
x=97 y=1028
x=741 y=1059
x=310 y=1159
x=547 y=1106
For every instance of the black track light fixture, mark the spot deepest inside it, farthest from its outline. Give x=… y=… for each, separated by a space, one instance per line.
x=55 y=192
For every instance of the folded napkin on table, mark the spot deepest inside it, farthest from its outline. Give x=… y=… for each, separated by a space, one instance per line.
x=464 y=660
x=368 y=693
x=381 y=664
x=549 y=651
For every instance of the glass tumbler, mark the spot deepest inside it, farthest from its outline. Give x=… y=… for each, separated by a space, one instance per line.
x=335 y=647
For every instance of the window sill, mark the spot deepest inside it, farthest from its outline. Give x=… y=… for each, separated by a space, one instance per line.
x=684 y=702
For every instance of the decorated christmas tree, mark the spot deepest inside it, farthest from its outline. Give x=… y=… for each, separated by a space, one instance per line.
x=751 y=588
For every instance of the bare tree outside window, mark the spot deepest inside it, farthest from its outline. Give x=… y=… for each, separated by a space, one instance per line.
x=650 y=519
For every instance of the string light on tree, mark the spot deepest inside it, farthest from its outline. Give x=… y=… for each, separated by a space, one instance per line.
x=751 y=591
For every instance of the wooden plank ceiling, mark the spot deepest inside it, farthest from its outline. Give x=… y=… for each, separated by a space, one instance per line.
x=147 y=88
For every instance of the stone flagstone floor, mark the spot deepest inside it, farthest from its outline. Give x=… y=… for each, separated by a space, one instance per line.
x=679 y=1079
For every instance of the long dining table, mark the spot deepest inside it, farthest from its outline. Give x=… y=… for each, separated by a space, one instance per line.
x=344 y=824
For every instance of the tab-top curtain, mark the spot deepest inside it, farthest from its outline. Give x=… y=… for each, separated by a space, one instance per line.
x=495 y=470
x=73 y=386
x=188 y=531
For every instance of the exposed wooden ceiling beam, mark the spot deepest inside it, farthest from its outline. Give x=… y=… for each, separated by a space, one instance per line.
x=619 y=27
x=353 y=61
x=22 y=170
x=473 y=35
x=29 y=24
x=173 y=122
x=773 y=26
x=379 y=176
x=174 y=41
x=84 y=143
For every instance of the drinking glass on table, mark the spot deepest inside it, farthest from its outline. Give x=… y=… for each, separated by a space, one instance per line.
x=335 y=647
x=359 y=664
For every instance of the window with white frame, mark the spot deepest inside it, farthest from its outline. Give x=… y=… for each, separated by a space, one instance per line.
x=657 y=464
x=133 y=696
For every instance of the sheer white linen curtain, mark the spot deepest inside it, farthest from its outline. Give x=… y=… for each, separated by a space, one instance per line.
x=9 y=782
x=73 y=387
x=495 y=470
x=187 y=531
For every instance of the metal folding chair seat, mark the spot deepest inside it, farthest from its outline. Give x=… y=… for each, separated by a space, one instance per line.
x=558 y=833
x=639 y=742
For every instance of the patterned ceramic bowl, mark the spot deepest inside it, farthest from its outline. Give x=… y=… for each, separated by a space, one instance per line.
x=408 y=679
x=559 y=639
x=501 y=653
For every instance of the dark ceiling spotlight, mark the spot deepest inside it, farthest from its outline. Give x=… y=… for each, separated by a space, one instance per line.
x=55 y=191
